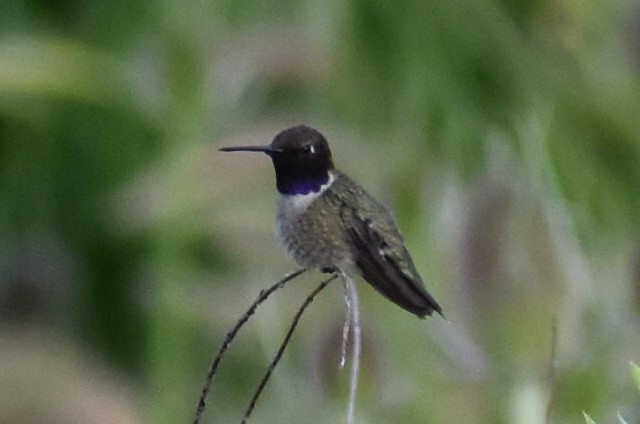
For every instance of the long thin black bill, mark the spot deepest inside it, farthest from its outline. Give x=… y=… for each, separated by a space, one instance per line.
x=264 y=149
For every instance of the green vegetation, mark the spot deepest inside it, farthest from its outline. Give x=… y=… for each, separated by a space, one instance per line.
x=635 y=371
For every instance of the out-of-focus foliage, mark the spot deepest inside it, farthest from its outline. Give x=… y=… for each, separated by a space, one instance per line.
x=504 y=134
x=635 y=372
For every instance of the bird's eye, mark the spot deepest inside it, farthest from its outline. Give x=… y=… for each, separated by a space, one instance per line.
x=309 y=149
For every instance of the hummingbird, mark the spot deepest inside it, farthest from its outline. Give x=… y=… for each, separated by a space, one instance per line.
x=327 y=221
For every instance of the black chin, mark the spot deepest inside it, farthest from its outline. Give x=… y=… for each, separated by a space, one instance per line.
x=301 y=186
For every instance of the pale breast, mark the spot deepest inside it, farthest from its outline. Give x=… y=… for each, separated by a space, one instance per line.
x=309 y=229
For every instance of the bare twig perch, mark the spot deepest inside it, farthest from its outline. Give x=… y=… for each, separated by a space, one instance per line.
x=283 y=346
x=264 y=294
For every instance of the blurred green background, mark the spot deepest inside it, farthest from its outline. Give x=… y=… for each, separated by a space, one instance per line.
x=505 y=135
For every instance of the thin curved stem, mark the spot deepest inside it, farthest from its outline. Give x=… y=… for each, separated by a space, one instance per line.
x=283 y=346
x=354 y=307
x=264 y=294
x=348 y=322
